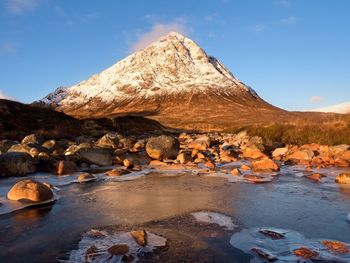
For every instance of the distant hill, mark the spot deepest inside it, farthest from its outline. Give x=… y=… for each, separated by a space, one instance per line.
x=338 y=108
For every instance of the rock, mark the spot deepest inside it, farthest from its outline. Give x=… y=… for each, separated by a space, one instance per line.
x=117 y=172
x=128 y=163
x=345 y=155
x=200 y=156
x=109 y=140
x=16 y=163
x=301 y=155
x=305 y=253
x=49 y=144
x=184 y=157
x=19 y=148
x=210 y=164
x=255 y=179
x=343 y=178
x=201 y=144
x=126 y=143
x=84 y=177
x=236 y=172
x=162 y=147
x=272 y=234
x=341 y=163
x=32 y=139
x=140 y=237
x=315 y=177
x=98 y=156
x=313 y=147
x=118 y=250
x=265 y=165
x=264 y=254
x=227 y=156
x=5 y=145
x=338 y=148
x=138 y=146
x=336 y=247
x=30 y=190
x=245 y=167
x=66 y=167
x=278 y=153
x=253 y=154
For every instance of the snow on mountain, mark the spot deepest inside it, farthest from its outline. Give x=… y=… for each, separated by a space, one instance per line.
x=339 y=108
x=173 y=65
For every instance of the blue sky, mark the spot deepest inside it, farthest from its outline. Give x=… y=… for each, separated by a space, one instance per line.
x=294 y=53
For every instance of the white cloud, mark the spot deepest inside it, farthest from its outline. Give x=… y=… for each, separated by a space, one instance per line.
x=316 y=99
x=259 y=28
x=4 y=96
x=21 y=6
x=7 y=48
x=157 y=31
x=290 y=20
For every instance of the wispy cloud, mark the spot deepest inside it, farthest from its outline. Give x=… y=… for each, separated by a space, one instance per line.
x=290 y=20
x=21 y=6
x=7 y=48
x=4 y=96
x=157 y=31
x=316 y=99
x=259 y=28
x=283 y=3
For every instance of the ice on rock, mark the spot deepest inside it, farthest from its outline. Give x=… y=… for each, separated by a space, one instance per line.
x=215 y=218
x=101 y=241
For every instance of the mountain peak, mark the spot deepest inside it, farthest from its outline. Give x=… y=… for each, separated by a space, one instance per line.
x=173 y=69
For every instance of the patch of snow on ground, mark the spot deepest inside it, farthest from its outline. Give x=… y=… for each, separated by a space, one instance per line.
x=215 y=218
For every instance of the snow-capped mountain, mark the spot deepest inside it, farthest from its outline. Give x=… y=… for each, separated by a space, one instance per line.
x=172 y=77
x=338 y=108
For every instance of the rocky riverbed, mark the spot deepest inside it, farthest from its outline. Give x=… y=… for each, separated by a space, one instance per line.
x=193 y=195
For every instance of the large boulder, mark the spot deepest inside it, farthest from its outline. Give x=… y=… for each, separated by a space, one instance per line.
x=162 y=147
x=265 y=165
x=279 y=153
x=30 y=190
x=343 y=178
x=301 y=155
x=109 y=140
x=16 y=163
x=32 y=139
x=253 y=153
x=93 y=155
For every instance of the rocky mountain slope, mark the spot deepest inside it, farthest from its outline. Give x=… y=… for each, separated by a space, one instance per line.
x=173 y=81
x=338 y=108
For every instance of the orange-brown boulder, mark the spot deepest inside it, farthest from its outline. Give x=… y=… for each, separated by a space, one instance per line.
x=265 y=165
x=336 y=247
x=305 y=253
x=30 y=190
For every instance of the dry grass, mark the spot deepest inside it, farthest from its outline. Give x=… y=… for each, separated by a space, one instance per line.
x=332 y=131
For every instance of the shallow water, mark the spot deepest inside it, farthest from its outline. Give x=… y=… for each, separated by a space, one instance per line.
x=40 y=234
